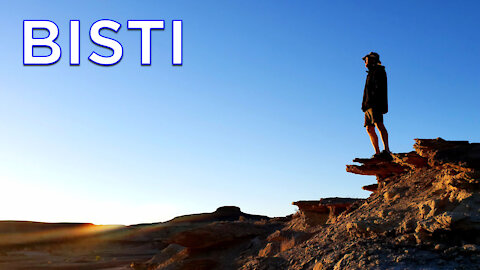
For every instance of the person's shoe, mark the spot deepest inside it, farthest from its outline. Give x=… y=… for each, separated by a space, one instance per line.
x=378 y=155
x=386 y=155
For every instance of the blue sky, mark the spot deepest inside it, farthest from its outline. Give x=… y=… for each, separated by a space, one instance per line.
x=264 y=111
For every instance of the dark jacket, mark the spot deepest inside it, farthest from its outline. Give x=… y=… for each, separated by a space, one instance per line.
x=375 y=92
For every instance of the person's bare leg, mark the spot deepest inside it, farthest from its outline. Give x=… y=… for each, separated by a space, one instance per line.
x=384 y=135
x=373 y=138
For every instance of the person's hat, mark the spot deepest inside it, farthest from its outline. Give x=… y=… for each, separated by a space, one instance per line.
x=372 y=55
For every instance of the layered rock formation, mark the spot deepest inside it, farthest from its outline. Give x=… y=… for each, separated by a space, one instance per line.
x=313 y=213
x=423 y=214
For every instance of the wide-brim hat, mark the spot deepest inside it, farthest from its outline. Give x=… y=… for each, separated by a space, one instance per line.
x=372 y=55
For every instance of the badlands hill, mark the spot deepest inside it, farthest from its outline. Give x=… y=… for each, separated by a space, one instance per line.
x=423 y=213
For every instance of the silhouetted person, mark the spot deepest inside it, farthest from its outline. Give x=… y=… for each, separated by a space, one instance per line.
x=375 y=103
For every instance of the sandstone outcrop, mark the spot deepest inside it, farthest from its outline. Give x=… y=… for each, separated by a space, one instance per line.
x=424 y=214
x=376 y=166
x=319 y=212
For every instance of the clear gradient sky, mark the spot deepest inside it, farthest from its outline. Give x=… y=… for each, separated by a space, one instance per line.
x=266 y=109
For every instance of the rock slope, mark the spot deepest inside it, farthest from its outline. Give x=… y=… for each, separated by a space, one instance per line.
x=424 y=214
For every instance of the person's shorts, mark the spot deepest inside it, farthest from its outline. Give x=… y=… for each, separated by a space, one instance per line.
x=372 y=117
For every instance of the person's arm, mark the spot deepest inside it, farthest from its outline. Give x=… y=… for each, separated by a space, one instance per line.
x=381 y=81
x=381 y=90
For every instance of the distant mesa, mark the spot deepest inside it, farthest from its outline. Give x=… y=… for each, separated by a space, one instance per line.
x=224 y=213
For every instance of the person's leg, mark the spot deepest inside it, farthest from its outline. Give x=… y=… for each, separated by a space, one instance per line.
x=384 y=134
x=373 y=138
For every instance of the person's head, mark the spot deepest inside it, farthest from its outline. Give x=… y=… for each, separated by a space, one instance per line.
x=371 y=59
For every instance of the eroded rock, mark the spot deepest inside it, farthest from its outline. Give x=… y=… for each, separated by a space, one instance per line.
x=321 y=211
